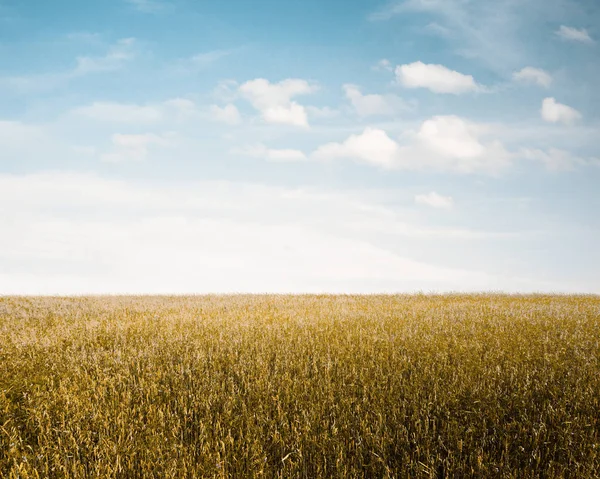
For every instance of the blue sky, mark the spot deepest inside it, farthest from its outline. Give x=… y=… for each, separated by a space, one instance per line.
x=172 y=146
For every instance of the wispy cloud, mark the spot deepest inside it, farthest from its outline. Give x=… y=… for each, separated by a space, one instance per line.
x=372 y=104
x=494 y=33
x=115 y=58
x=435 y=200
x=555 y=159
x=226 y=114
x=436 y=78
x=270 y=154
x=441 y=143
x=133 y=114
x=201 y=60
x=554 y=112
x=128 y=236
x=533 y=75
x=383 y=65
x=274 y=101
x=126 y=148
x=119 y=113
x=574 y=34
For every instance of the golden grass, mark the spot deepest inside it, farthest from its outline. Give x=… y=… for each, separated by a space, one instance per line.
x=305 y=386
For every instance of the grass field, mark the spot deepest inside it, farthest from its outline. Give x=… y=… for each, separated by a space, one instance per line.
x=306 y=386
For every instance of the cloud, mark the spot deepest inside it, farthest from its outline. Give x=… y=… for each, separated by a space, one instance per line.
x=373 y=146
x=128 y=148
x=274 y=100
x=16 y=132
x=554 y=112
x=555 y=159
x=275 y=155
x=31 y=146
x=128 y=113
x=451 y=136
x=322 y=113
x=70 y=233
x=373 y=105
x=115 y=58
x=533 y=75
x=226 y=91
x=390 y=10
x=21 y=142
x=442 y=143
x=574 y=34
x=201 y=60
x=119 y=113
x=292 y=114
x=227 y=114
x=435 y=200
x=497 y=33
x=435 y=28
x=182 y=107
x=436 y=78
x=383 y=65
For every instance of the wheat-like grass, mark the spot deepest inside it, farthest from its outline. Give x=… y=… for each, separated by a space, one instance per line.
x=300 y=386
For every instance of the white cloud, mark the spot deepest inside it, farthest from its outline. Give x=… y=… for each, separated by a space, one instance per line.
x=435 y=200
x=384 y=65
x=112 y=112
x=372 y=146
x=452 y=143
x=181 y=104
x=117 y=55
x=321 y=113
x=492 y=32
x=436 y=78
x=25 y=144
x=574 y=34
x=17 y=133
x=127 y=148
x=274 y=100
x=437 y=29
x=292 y=114
x=554 y=112
x=263 y=94
x=533 y=75
x=182 y=107
x=200 y=60
x=226 y=91
x=227 y=114
x=555 y=159
x=390 y=10
x=451 y=136
x=119 y=113
x=275 y=155
x=73 y=234
x=442 y=143
x=373 y=105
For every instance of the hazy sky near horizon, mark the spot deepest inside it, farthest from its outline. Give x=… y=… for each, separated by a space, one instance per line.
x=178 y=146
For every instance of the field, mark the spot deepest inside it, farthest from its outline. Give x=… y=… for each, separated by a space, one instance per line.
x=300 y=387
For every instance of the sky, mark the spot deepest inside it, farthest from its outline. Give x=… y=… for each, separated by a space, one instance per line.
x=346 y=146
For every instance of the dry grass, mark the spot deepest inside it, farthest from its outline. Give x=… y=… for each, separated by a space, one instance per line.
x=310 y=386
